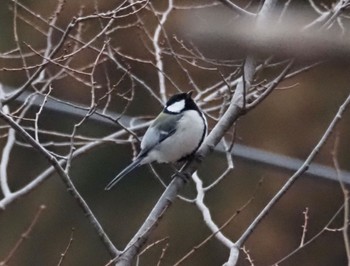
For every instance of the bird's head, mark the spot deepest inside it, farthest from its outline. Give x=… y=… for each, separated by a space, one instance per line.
x=179 y=103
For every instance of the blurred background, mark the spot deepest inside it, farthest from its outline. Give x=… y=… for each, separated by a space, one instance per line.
x=289 y=122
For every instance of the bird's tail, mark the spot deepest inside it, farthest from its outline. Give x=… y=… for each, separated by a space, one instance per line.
x=123 y=173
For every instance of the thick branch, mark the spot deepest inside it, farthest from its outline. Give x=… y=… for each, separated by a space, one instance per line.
x=233 y=112
x=169 y=195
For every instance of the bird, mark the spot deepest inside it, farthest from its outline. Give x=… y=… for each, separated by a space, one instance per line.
x=173 y=136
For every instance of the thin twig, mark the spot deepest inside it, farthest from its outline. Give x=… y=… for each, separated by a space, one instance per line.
x=304 y=226
x=297 y=174
x=248 y=256
x=24 y=236
x=346 y=221
x=206 y=240
x=64 y=253
x=312 y=239
x=238 y=9
x=67 y=181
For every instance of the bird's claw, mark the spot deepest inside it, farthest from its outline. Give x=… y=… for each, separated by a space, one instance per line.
x=185 y=176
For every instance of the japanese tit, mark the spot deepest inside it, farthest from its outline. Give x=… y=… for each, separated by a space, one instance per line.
x=175 y=134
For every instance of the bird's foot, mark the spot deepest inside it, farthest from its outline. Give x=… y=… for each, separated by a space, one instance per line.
x=185 y=176
x=199 y=157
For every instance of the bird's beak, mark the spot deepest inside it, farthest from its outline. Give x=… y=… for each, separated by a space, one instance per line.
x=189 y=94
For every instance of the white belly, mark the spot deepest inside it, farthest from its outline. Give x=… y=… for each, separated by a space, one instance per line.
x=182 y=143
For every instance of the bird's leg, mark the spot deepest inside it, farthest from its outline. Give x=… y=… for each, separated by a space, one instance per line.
x=199 y=157
x=184 y=175
x=175 y=166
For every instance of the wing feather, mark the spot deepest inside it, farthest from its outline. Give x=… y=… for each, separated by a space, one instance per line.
x=161 y=128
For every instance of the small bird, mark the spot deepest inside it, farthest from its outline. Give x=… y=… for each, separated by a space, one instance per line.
x=173 y=136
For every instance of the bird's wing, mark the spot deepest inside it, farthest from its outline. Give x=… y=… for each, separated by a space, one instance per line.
x=166 y=126
x=161 y=128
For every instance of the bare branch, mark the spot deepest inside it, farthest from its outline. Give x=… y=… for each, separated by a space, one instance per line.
x=346 y=222
x=297 y=174
x=64 y=253
x=304 y=226
x=312 y=239
x=66 y=179
x=158 y=50
x=238 y=9
x=24 y=236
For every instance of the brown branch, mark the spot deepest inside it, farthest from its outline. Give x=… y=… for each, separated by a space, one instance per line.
x=64 y=253
x=24 y=236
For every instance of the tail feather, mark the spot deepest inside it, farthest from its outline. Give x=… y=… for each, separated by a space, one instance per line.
x=123 y=173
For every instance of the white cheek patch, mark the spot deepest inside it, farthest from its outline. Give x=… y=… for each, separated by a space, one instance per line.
x=176 y=107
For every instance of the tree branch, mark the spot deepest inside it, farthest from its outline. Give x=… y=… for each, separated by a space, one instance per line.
x=66 y=179
x=179 y=181
x=297 y=174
